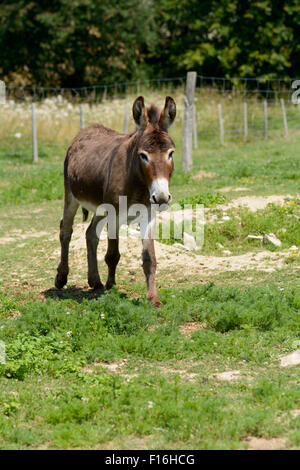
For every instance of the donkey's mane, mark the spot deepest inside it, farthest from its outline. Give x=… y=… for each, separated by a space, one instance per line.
x=153 y=114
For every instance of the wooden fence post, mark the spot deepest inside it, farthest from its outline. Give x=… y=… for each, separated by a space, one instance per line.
x=221 y=124
x=35 y=156
x=285 y=125
x=81 y=112
x=266 y=118
x=195 y=135
x=126 y=119
x=245 y=120
x=187 y=155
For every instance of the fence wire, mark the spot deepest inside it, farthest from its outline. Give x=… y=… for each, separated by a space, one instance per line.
x=270 y=89
x=58 y=109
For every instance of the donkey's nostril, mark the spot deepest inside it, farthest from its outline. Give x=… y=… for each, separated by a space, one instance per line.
x=169 y=198
x=161 y=198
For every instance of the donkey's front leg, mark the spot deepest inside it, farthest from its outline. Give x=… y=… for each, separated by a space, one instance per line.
x=66 y=224
x=149 y=259
x=92 y=240
x=112 y=258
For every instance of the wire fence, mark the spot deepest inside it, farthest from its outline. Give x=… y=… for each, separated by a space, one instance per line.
x=225 y=110
x=262 y=88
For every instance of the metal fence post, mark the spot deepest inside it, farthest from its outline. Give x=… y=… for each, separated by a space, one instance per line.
x=285 y=125
x=245 y=120
x=221 y=123
x=35 y=156
x=266 y=118
x=187 y=155
x=81 y=112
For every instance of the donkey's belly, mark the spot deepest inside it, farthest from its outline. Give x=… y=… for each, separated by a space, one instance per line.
x=87 y=205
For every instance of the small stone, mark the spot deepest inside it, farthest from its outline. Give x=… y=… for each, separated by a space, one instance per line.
x=189 y=241
x=255 y=237
x=292 y=359
x=271 y=237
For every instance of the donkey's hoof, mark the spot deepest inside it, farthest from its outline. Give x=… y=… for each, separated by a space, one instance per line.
x=99 y=287
x=109 y=285
x=60 y=281
x=155 y=302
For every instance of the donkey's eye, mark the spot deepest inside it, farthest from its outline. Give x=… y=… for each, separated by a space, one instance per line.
x=170 y=156
x=144 y=157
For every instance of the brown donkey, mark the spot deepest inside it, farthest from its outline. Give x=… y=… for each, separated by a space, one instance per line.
x=100 y=166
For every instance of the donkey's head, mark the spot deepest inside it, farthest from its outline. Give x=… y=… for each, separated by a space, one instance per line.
x=155 y=148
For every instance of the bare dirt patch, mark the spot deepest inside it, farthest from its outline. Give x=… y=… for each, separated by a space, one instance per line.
x=254 y=203
x=204 y=174
x=175 y=258
x=19 y=235
x=227 y=189
x=191 y=327
x=229 y=375
x=110 y=366
x=260 y=443
x=127 y=443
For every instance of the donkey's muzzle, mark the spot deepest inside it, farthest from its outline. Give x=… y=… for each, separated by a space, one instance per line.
x=159 y=192
x=161 y=198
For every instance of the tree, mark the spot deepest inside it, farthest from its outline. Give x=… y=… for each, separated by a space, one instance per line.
x=75 y=42
x=230 y=37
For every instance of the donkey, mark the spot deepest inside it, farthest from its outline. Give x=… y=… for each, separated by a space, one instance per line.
x=100 y=166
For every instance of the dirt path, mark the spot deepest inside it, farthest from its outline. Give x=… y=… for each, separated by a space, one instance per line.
x=177 y=258
x=171 y=257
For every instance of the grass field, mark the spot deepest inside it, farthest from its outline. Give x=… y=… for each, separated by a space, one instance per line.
x=205 y=370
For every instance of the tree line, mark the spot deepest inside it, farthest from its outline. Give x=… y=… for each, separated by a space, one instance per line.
x=73 y=43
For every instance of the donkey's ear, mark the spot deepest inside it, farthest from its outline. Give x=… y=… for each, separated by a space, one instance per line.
x=168 y=114
x=140 y=113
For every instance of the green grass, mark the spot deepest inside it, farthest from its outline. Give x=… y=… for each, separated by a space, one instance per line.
x=50 y=343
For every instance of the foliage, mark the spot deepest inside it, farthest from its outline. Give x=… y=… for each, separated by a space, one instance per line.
x=207 y=199
x=74 y=43
x=71 y=43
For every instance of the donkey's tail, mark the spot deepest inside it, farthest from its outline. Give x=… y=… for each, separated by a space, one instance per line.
x=85 y=214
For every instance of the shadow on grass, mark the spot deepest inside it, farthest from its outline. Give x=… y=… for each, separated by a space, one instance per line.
x=77 y=293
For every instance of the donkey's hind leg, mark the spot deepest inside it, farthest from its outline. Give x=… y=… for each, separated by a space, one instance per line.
x=66 y=224
x=92 y=240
